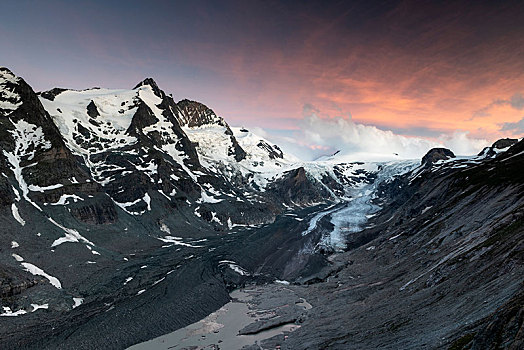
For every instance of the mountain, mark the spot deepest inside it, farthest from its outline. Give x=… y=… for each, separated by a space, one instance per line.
x=127 y=215
x=439 y=267
x=98 y=183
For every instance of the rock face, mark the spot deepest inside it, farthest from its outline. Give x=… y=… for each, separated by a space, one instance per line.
x=196 y=114
x=31 y=144
x=273 y=151
x=435 y=155
x=13 y=283
x=502 y=329
x=504 y=143
x=50 y=94
x=297 y=187
x=440 y=260
x=497 y=147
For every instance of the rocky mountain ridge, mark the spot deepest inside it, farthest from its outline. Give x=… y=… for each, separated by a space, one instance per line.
x=439 y=267
x=92 y=179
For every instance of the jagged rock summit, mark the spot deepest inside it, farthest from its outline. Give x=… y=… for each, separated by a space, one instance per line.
x=436 y=154
x=498 y=146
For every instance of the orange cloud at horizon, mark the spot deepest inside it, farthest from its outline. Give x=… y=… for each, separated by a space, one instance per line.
x=403 y=71
x=418 y=68
x=435 y=98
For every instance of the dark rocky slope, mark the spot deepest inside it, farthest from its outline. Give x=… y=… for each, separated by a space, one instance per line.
x=441 y=266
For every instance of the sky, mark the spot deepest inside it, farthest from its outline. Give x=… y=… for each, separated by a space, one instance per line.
x=313 y=76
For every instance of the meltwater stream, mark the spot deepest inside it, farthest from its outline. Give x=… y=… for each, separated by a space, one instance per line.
x=225 y=328
x=359 y=208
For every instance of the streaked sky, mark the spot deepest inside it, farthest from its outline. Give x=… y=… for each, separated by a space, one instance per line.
x=437 y=70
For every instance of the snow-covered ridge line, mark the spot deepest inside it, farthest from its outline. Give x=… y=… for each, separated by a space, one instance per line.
x=107 y=115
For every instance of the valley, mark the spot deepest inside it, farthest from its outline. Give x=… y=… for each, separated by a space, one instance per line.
x=126 y=216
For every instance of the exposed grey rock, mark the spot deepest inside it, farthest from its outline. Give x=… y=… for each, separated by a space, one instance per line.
x=435 y=155
x=273 y=150
x=297 y=187
x=501 y=144
x=504 y=143
x=51 y=94
x=151 y=82
x=196 y=114
x=502 y=329
x=92 y=111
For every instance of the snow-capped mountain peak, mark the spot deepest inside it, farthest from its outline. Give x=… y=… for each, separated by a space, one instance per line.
x=151 y=83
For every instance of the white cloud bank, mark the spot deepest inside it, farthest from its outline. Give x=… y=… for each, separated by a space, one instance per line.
x=318 y=136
